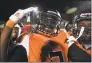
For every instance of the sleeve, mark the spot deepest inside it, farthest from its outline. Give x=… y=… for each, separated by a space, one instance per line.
x=25 y=43
x=76 y=54
x=18 y=55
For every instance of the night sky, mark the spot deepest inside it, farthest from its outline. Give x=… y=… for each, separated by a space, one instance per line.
x=8 y=7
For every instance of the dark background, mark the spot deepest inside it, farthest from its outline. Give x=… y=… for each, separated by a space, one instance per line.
x=8 y=7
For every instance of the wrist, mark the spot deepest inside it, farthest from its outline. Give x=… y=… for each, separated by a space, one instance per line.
x=14 y=18
x=10 y=23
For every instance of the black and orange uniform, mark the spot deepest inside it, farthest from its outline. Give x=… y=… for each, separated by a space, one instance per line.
x=38 y=41
x=68 y=51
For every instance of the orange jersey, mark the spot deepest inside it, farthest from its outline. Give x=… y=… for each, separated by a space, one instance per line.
x=37 y=41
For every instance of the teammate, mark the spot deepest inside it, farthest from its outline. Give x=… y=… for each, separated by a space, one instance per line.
x=19 y=53
x=82 y=25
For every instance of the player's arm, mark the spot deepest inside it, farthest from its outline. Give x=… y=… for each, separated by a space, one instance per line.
x=5 y=36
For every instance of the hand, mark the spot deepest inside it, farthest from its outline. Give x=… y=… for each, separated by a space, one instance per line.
x=71 y=40
x=20 y=14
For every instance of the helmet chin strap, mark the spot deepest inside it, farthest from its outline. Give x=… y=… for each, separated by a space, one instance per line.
x=81 y=32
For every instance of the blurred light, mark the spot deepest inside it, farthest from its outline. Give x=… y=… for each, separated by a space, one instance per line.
x=35 y=9
x=71 y=10
x=2 y=26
